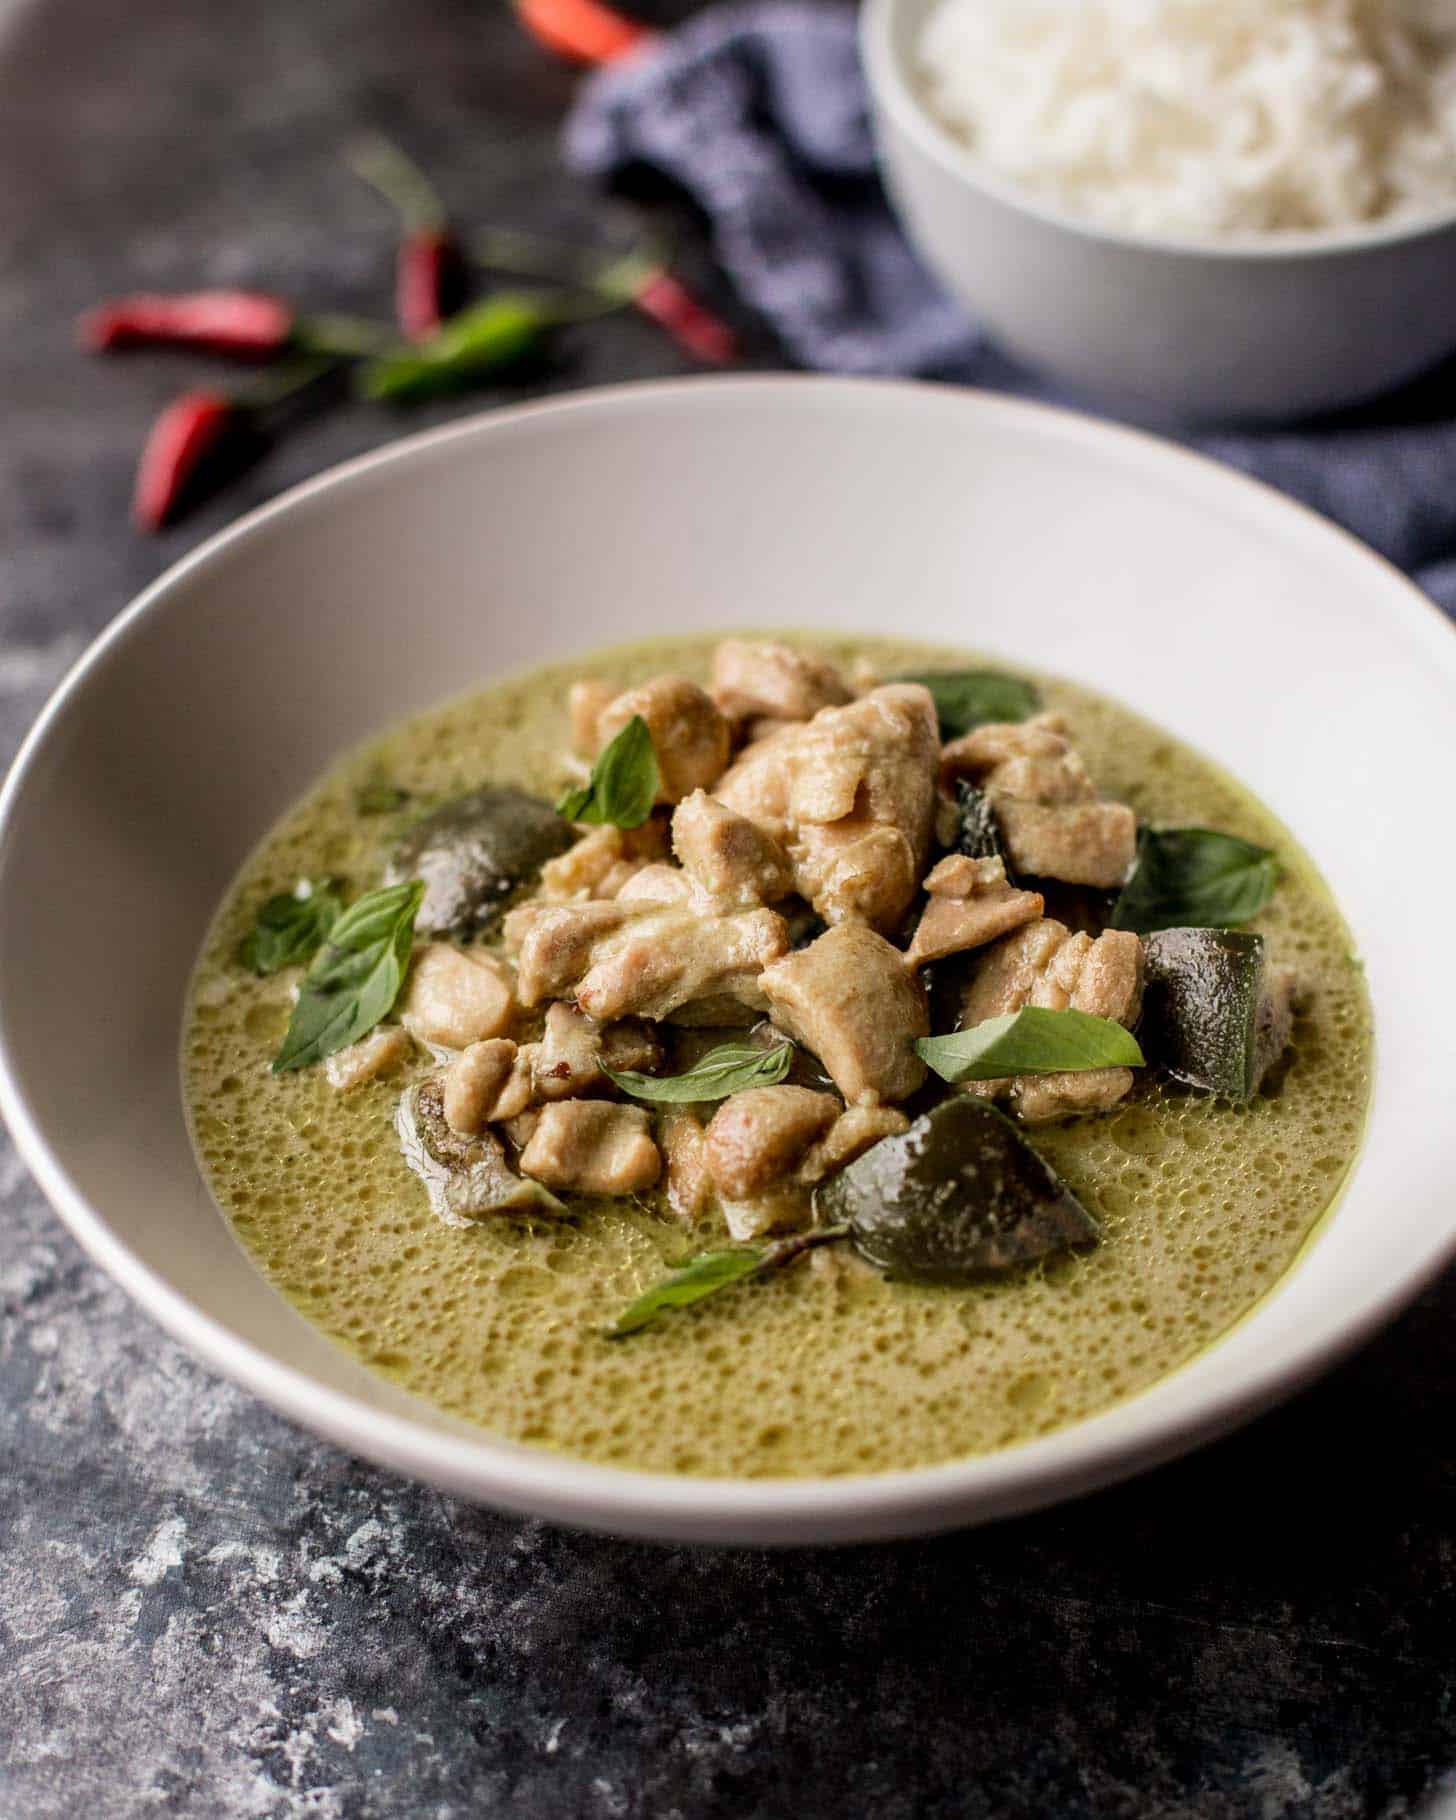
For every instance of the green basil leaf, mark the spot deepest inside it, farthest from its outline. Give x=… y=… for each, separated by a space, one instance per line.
x=623 y=785
x=691 y=1282
x=1194 y=878
x=969 y=698
x=290 y=927
x=1031 y=1041
x=702 y=1276
x=379 y=799
x=725 y=1070
x=355 y=977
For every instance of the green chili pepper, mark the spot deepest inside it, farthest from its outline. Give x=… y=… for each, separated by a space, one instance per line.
x=490 y=337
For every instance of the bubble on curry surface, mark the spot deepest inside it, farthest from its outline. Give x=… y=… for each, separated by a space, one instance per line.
x=818 y=1371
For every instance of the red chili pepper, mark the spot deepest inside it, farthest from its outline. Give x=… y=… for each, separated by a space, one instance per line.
x=249 y=323
x=429 y=282
x=583 y=31
x=691 y=324
x=189 y=428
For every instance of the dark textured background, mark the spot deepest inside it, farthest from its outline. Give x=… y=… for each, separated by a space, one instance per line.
x=203 y=1611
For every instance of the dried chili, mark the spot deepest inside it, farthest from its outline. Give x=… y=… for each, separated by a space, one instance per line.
x=583 y=31
x=243 y=323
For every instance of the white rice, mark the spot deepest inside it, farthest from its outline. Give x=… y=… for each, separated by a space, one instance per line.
x=1205 y=117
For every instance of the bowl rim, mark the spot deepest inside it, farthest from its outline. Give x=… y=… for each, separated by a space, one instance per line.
x=1103 y=1448
x=890 y=86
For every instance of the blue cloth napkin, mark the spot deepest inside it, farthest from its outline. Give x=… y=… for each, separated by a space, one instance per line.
x=758 y=112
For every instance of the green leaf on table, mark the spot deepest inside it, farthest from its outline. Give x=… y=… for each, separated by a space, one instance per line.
x=623 y=783
x=1194 y=878
x=727 y=1069
x=355 y=976
x=290 y=927
x=969 y=698
x=1031 y=1041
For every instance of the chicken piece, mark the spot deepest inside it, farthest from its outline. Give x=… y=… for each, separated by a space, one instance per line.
x=666 y=958
x=970 y=904
x=586 y=702
x=851 y=796
x=454 y=997
x=855 y=1130
x=689 y=735
x=1046 y=804
x=602 y=862
x=373 y=1055
x=1080 y=843
x=657 y=884
x=851 y=999
x=552 y=943
x=760 y=680
x=684 y=1147
x=780 y=1209
x=475 y=1082
x=728 y=857
x=570 y=1057
x=757 y=1138
x=1045 y=964
x=593 y=1146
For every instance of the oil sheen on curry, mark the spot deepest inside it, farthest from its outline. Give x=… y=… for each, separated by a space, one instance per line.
x=759 y=1057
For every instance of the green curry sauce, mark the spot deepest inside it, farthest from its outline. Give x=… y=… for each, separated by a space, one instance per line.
x=827 y=1367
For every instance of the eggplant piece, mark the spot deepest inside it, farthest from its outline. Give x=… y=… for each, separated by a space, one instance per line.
x=464 y=1177
x=978 y=836
x=474 y=854
x=959 y=1196
x=1216 y=1015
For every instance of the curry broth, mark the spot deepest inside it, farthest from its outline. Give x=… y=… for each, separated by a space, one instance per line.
x=827 y=1367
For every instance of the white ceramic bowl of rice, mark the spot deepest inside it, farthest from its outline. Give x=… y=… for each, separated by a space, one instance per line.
x=1223 y=209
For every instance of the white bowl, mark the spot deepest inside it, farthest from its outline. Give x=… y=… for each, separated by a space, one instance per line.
x=1259 y=327
x=1242 y=622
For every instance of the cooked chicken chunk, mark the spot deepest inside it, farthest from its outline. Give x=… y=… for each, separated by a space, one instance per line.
x=851 y=1134
x=970 y=904
x=1046 y=803
x=761 y=680
x=669 y=957
x=586 y=702
x=592 y=1146
x=475 y=1082
x=366 y=1060
x=602 y=862
x=684 y=1146
x=570 y=1057
x=689 y=735
x=851 y=999
x=728 y=857
x=851 y=796
x=454 y=997
x=657 y=884
x=1046 y=965
x=757 y=1138
x=552 y=943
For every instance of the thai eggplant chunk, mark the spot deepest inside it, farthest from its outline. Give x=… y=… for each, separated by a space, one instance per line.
x=1216 y=1014
x=958 y=1196
x=474 y=854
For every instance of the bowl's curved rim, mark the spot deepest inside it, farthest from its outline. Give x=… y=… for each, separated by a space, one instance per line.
x=1097 y=1451
x=890 y=84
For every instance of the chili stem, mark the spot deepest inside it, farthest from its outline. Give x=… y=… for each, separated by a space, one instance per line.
x=395 y=176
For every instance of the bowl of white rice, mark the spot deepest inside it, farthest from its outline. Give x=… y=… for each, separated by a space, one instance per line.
x=1223 y=209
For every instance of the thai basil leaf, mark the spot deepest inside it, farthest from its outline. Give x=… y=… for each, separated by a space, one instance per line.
x=290 y=927
x=702 y=1276
x=623 y=785
x=1031 y=1041
x=727 y=1069
x=379 y=799
x=355 y=977
x=969 y=698
x=1194 y=878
